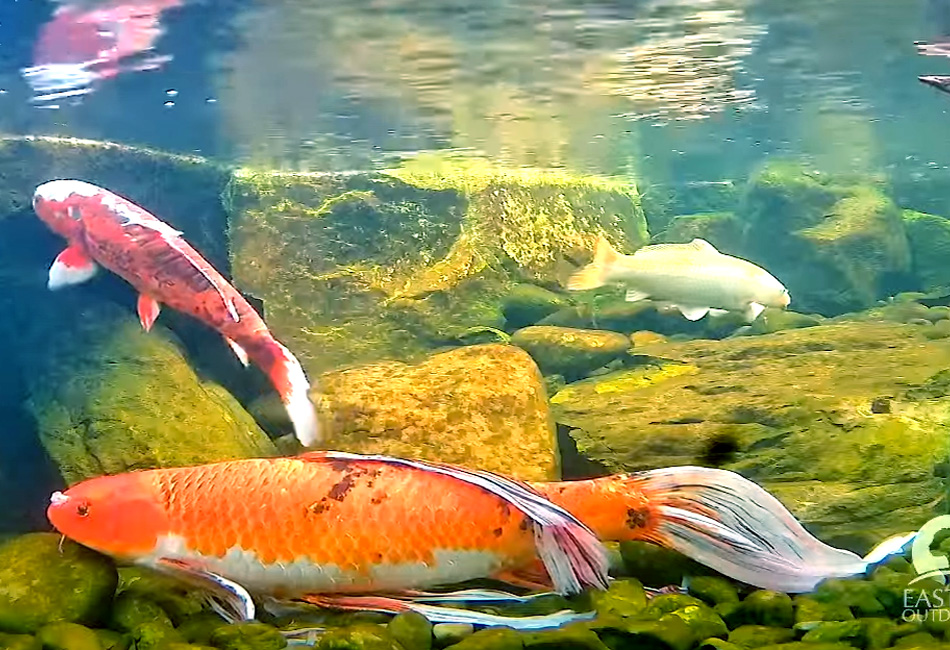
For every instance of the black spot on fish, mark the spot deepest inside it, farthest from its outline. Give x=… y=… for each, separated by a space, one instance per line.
x=339 y=465
x=637 y=518
x=505 y=509
x=377 y=558
x=376 y=500
x=319 y=507
x=525 y=524
x=340 y=489
x=496 y=532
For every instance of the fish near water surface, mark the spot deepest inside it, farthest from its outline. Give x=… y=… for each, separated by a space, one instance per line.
x=105 y=229
x=350 y=531
x=695 y=278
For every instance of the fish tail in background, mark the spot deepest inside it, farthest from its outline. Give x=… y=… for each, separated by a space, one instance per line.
x=288 y=378
x=729 y=523
x=594 y=274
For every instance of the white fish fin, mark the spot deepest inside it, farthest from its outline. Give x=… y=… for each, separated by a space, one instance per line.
x=469 y=596
x=893 y=545
x=239 y=352
x=71 y=266
x=718 y=312
x=593 y=275
x=229 y=599
x=693 y=313
x=571 y=553
x=633 y=295
x=752 y=311
x=148 y=309
x=703 y=245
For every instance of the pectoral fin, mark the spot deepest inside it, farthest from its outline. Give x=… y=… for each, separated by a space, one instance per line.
x=229 y=599
x=71 y=266
x=693 y=313
x=752 y=311
x=240 y=352
x=148 y=309
x=718 y=312
x=633 y=295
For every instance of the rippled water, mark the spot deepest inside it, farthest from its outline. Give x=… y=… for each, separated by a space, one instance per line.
x=666 y=91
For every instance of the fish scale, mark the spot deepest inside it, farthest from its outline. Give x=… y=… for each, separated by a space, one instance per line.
x=290 y=510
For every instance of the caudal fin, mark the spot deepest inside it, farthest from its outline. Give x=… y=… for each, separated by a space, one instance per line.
x=291 y=383
x=594 y=274
x=729 y=523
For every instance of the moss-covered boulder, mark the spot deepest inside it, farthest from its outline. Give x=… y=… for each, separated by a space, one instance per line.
x=526 y=304
x=481 y=406
x=355 y=267
x=570 y=352
x=837 y=244
x=929 y=238
x=724 y=230
x=845 y=423
x=68 y=636
x=109 y=397
x=44 y=579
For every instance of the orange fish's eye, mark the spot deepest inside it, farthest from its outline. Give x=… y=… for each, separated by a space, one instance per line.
x=82 y=509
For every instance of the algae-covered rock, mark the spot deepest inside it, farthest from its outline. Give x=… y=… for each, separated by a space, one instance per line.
x=569 y=352
x=624 y=598
x=656 y=566
x=250 y=635
x=712 y=590
x=360 y=266
x=929 y=239
x=859 y=596
x=171 y=594
x=576 y=636
x=702 y=620
x=109 y=397
x=808 y=610
x=724 y=230
x=411 y=630
x=19 y=642
x=851 y=632
x=756 y=636
x=447 y=634
x=526 y=304
x=499 y=638
x=672 y=633
x=68 y=636
x=837 y=245
x=112 y=640
x=44 y=579
x=799 y=412
x=480 y=406
x=772 y=608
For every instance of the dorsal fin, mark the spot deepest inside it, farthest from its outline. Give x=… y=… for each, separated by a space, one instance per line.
x=702 y=245
x=570 y=551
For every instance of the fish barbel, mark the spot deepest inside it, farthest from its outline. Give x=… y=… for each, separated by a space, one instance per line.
x=339 y=529
x=694 y=278
x=105 y=229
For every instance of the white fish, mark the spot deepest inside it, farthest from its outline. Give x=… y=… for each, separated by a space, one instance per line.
x=694 y=278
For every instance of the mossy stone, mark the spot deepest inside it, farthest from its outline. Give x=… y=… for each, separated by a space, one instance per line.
x=575 y=636
x=917 y=640
x=44 y=579
x=717 y=644
x=499 y=638
x=769 y=608
x=808 y=610
x=712 y=590
x=526 y=304
x=112 y=640
x=19 y=642
x=851 y=632
x=668 y=603
x=859 y=595
x=198 y=628
x=411 y=630
x=154 y=635
x=130 y=611
x=878 y=632
x=756 y=636
x=625 y=597
x=361 y=636
x=68 y=636
x=724 y=230
x=653 y=565
x=929 y=238
x=570 y=352
x=702 y=620
x=669 y=634
x=250 y=635
x=447 y=634
x=167 y=592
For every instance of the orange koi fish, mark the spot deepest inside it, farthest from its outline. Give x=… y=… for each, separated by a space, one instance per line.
x=105 y=229
x=350 y=531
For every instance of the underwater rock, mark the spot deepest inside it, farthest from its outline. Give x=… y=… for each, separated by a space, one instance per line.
x=481 y=406
x=166 y=592
x=929 y=238
x=571 y=353
x=656 y=566
x=576 y=636
x=250 y=635
x=361 y=266
x=500 y=638
x=763 y=607
x=712 y=590
x=526 y=304
x=723 y=230
x=791 y=411
x=109 y=397
x=19 y=642
x=68 y=636
x=756 y=636
x=44 y=579
x=447 y=634
x=775 y=320
x=835 y=244
x=669 y=634
x=624 y=598
x=411 y=630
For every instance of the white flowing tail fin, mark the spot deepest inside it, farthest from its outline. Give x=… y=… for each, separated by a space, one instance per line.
x=732 y=525
x=594 y=274
x=291 y=384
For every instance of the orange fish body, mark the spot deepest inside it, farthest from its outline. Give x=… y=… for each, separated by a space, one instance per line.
x=105 y=229
x=329 y=523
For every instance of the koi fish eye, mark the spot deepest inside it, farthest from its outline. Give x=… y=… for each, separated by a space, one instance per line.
x=82 y=509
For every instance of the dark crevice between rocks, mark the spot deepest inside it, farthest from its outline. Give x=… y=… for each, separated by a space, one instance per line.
x=575 y=466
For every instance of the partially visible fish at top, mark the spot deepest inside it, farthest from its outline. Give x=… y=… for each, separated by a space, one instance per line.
x=694 y=278
x=105 y=229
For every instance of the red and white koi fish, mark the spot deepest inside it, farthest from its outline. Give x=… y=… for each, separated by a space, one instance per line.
x=350 y=531
x=105 y=229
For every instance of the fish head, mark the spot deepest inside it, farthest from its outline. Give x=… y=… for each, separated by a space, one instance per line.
x=769 y=292
x=120 y=516
x=62 y=205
